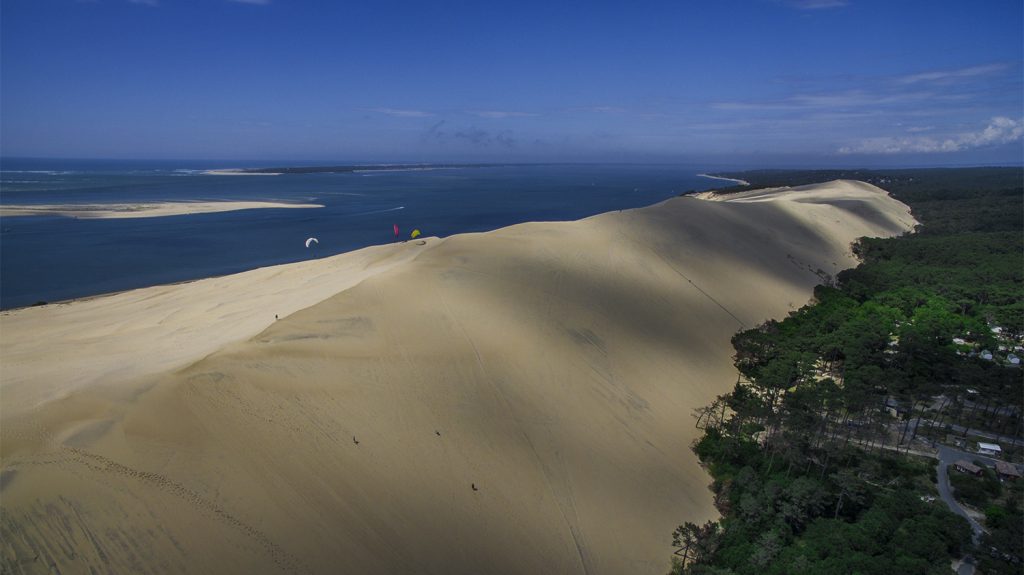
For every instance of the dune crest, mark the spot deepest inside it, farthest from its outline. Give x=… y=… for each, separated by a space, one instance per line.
x=517 y=401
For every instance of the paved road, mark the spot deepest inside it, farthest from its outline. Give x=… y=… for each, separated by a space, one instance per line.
x=966 y=566
x=969 y=431
x=947 y=455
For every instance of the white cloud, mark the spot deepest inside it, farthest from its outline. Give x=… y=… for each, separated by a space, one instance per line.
x=599 y=109
x=836 y=100
x=951 y=76
x=816 y=4
x=1001 y=130
x=499 y=114
x=402 y=113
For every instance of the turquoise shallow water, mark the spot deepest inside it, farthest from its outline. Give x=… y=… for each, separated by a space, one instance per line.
x=51 y=258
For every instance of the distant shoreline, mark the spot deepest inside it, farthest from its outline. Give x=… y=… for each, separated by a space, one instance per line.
x=140 y=210
x=345 y=169
x=238 y=172
x=740 y=182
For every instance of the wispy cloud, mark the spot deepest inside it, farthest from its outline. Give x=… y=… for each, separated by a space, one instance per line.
x=438 y=134
x=1000 y=130
x=396 y=113
x=500 y=114
x=952 y=76
x=435 y=132
x=932 y=90
x=599 y=109
x=816 y=4
x=484 y=138
x=848 y=99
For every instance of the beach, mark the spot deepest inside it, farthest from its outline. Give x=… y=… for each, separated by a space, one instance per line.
x=740 y=182
x=515 y=401
x=237 y=172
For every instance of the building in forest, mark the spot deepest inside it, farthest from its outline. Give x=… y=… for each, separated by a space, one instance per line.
x=1007 y=470
x=964 y=466
x=989 y=449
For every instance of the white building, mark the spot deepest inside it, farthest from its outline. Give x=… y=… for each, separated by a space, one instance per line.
x=989 y=449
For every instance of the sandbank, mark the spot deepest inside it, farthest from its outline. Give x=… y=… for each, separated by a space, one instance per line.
x=140 y=210
x=740 y=182
x=517 y=401
x=238 y=172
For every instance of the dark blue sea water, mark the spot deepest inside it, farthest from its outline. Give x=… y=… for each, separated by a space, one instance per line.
x=52 y=258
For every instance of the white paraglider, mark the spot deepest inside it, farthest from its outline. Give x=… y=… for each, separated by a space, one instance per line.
x=312 y=241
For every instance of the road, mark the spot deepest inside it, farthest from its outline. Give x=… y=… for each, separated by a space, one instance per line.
x=961 y=430
x=947 y=455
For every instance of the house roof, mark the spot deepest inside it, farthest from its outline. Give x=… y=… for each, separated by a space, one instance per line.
x=967 y=466
x=1004 y=468
x=989 y=446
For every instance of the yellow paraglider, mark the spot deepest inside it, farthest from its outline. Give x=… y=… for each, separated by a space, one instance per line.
x=415 y=234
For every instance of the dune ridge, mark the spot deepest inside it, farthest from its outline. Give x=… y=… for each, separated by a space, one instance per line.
x=517 y=401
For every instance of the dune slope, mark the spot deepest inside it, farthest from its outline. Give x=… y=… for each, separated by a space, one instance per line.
x=511 y=402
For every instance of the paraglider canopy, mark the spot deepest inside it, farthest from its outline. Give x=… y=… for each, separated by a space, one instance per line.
x=414 y=234
x=312 y=241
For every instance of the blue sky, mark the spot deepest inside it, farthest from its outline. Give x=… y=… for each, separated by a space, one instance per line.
x=756 y=82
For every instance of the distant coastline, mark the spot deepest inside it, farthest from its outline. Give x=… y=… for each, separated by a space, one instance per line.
x=740 y=182
x=140 y=210
x=238 y=172
x=42 y=251
x=277 y=171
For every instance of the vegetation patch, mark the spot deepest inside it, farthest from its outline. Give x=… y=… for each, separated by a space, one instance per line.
x=809 y=452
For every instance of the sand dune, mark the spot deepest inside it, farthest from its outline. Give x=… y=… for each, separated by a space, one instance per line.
x=116 y=338
x=511 y=402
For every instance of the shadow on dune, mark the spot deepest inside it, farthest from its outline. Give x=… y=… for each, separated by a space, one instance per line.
x=521 y=401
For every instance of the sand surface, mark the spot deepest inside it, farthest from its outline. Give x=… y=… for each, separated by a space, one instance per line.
x=140 y=210
x=740 y=182
x=553 y=367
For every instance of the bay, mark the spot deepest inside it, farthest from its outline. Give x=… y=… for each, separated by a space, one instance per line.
x=54 y=258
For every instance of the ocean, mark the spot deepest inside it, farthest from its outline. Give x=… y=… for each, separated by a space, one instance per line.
x=54 y=258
